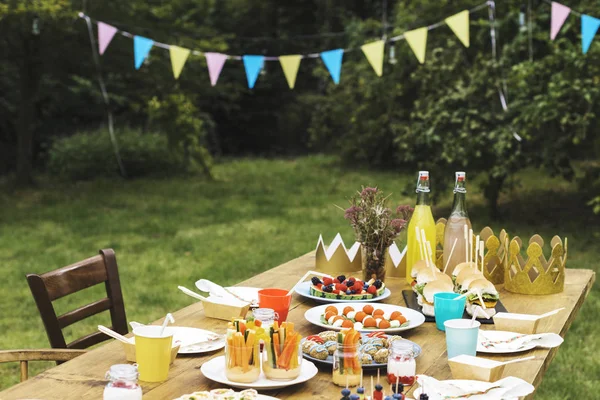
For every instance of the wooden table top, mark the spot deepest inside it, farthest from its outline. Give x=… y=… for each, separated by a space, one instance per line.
x=83 y=377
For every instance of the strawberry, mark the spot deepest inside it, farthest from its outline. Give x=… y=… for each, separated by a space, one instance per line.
x=372 y=289
x=357 y=287
x=343 y=288
x=319 y=286
x=336 y=281
x=336 y=291
x=327 y=281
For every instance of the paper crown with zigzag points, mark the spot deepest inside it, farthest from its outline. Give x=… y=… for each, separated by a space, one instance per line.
x=535 y=274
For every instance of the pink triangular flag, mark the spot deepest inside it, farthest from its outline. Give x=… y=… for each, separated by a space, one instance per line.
x=215 y=62
x=559 y=15
x=105 y=34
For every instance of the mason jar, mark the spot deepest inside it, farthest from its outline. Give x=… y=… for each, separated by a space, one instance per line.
x=123 y=383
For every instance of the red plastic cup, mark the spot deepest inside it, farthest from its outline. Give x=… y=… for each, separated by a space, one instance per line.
x=276 y=299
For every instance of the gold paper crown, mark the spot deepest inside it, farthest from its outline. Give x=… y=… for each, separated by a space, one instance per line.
x=494 y=253
x=536 y=275
x=335 y=258
x=494 y=258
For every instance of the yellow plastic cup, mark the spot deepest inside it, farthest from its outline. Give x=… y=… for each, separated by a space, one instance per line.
x=153 y=352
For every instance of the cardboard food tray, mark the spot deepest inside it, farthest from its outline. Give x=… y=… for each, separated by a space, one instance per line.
x=410 y=298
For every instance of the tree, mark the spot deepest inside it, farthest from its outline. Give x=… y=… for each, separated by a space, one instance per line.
x=446 y=115
x=26 y=32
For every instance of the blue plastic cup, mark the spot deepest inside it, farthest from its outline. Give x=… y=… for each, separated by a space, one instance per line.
x=447 y=308
x=461 y=337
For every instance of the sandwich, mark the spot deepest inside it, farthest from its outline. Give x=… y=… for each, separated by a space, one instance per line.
x=433 y=287
x=466 y=273
x=489 y=295
x=460 y=267
x=424 y=277
x=417 y=267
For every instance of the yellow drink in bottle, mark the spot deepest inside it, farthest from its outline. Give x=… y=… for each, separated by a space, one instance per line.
x=422 y=218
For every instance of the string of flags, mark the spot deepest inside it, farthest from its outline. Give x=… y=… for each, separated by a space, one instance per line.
x=589 y=24
x=332 y=59
x=290 y=64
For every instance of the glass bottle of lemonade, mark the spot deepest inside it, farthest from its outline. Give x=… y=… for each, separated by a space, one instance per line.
x=455 y=226
x=422 y=218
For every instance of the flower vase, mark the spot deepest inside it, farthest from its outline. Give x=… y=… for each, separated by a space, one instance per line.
x=373 y=264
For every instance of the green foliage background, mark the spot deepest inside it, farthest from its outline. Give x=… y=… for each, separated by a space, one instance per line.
x=442 y=115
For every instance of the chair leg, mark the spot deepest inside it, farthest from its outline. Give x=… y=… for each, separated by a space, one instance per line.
x=24 y=370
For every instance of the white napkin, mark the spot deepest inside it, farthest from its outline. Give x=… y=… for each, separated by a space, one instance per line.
x=514 y=341
x=218 y=294
x=505 y=389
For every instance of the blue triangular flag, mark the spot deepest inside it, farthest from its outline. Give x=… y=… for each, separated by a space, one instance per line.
x=333 y=62
x=253 y=65
x=589 y=27
x=141 y=48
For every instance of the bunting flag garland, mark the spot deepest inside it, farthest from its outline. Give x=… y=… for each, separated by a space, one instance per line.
x=589 y=27
x=179 y=56
x=333 y=62
x=374 y=53
x=215 y=62
x=106 y=33
x=417 y=40
x=558 y=17
x=141 y=48
x=253 y=64
x=459 y=23
x=290 y=65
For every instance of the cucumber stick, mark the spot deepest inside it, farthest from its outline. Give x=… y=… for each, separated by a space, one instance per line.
x=340 y=340
x=273 y=352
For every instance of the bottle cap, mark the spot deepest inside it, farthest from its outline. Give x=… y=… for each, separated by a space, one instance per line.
x=423 y=181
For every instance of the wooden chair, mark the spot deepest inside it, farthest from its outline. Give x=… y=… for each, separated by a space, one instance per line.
x=24 y=356
x=70 y=279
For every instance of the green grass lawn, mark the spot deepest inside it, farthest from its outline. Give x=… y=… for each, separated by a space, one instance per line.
x=256 y=215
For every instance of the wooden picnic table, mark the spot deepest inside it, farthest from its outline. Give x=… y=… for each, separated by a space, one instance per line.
x=83 y=377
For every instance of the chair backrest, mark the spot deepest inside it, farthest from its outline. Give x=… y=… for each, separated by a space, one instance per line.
x=70 y=279
x=24 y=356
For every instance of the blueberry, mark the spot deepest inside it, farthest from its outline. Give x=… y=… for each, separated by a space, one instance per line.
x=360 y=390
x=327 y=289
x=350 y=282
x=349 y=291
x=378 y=387
x=341 y=278
x=378 y=284
x=315 y=281
x=346 y=392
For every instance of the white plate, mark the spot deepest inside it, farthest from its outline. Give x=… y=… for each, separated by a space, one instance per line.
x=260 y=397
x=415 y=318
x=187 y=336
x=519 y=390
x=329 y=360
x=498 y=335
x=303 y=289
x=215 y=371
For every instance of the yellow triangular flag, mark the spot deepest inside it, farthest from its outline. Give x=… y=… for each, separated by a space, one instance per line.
x=374 y=53
x=290 y=65
x=179 y=56
x=417 y=39
x=459 y=23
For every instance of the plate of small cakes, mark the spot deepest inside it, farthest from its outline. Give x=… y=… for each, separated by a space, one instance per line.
x=364 y=317
x=342 y=289
x=373 y=348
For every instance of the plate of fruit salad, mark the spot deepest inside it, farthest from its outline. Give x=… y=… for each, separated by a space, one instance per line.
x=373 y=346
x=364 y=317
x=342 y=289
